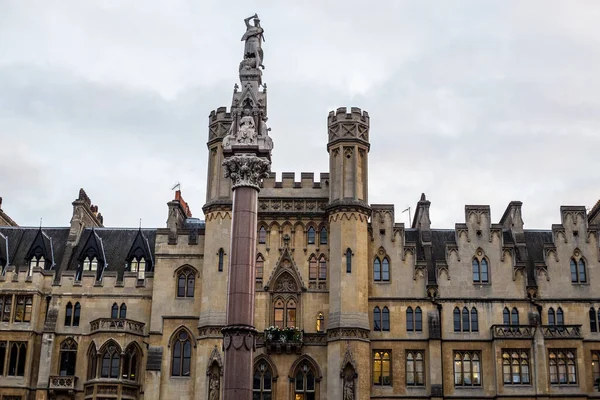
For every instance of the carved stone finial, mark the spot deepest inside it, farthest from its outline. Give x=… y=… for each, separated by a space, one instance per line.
x=423 y=198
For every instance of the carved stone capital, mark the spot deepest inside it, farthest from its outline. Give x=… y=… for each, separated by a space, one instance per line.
x=246 y=170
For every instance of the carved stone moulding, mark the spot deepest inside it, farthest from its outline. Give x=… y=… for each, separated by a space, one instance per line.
x=239 y=337
x=347 y=334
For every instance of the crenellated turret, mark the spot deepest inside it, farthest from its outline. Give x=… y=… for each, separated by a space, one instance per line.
x=348 y=148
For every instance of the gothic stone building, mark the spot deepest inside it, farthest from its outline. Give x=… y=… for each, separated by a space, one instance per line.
x=381 y=310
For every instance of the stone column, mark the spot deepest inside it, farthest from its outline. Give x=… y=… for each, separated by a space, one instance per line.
x=246 y=171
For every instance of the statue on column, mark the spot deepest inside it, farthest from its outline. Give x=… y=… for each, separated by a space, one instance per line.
x=349 y=385
x=252 y=50
x=214 y=388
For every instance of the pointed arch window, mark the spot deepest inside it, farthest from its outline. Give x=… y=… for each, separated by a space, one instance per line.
x=221 y=255
x=123 y=311
x=382 y=368
x=323 y=236
x=181 y=354
x=467 y=368
x=68 y=357
x=456 y=316
x=92 y=362
x=480 y=270
x=312 y=268
x=410 y=319
x=17 y=359
x=377 y=319
x=385 y=319
x=260 y=267
x=36 y=261
x=111 y=361
x=551 y=316
x=285 y=312
x=69 y=314
x=514 y=316
x=322 y=268
x=563 y=368
x=279 y=308
x=506 y=316
x=596 y=368
x=130 y=364
x=415 y=375
x=381 y=269
x=465 y=320
x=262 y=388
x=310 y=235
x=474 y=320
x=76 y=314
x=593 y=320
x=578 y=270
x=515 y=367
x=418 y=319
x=560 y=316
x=139 y=265
x=320 y=323
x=262 y=235
x=114 y=311
x=186 y=282
x=348 y=261
x=290 y=313
x=305 y=382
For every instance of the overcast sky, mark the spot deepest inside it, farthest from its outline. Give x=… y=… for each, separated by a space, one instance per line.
x=471 y=102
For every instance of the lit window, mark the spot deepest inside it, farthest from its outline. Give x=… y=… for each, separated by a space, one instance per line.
x=563 y=369
x=515 y=367
x=320 y=323
x=23 y=309
x=595 y=368
x=467 y=368
x=382 y=368
x=5 y=307
x=304 y=382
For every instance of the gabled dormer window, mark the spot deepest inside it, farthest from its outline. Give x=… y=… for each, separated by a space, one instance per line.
x=36 y=261
x=138 y=265
x=139 y=259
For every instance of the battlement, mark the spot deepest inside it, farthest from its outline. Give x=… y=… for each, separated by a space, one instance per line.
x=44 y=281
x=342 y=115
x=308 y=186
x=220 y=114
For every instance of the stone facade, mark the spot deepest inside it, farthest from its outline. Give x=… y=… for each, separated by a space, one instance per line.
x=379 y=309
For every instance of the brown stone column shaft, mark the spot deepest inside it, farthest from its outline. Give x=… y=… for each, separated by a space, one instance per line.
x=239 y=334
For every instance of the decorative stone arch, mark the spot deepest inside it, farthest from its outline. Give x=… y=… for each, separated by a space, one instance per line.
x=110 y=342
x=263 y=364
x=297 y=366
x=69 y=344
x=176 y=332
x=214 y=372
x=265 y=358
x=185 y=267
x=92 y=361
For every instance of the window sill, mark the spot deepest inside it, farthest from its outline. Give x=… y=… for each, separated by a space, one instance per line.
x=381 y=282
x=580 y=283
x=474 y=387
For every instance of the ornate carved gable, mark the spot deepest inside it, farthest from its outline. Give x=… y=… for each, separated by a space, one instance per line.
x=215 y=359
x=348 y=362
x=285 y=276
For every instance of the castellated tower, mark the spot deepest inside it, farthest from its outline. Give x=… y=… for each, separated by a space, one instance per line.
x=348 y=213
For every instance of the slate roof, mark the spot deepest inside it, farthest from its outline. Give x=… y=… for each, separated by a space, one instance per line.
x=116 y=243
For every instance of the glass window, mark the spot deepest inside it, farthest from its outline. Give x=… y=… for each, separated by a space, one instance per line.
x=377 y=319
x=323 y=236
x=92 y=362
x=474 y=320
x=456 y=316
x=123 y=311
x=484 y=271
x=260 y=267
x=304 y=385
x=515 y=367
x=382 y=368
x=76 y=314
x=130 y=364
x=262 y=235
x=582 y=272
x=68 y=357
x=385 y=319
x=17 y=359
x=320 y=322
x=385 y=270
x=182 y=355
x=262 y=387
x=5 y=307
x=111 y=361
x=186 y=282
x=410 y=324
x=310 y=234
x=595 y=367
x=562 y=365
x=573 y=271
x=418 y=319
x=476 y=271
x=415 y=371
x=560 y=317
x=221 y=256
x=506 y=316
x=291 y=313
x=114 y=311
x=279 y=311
x=377 y=270
x=322 y=268
x=69 y=314
x=593 y=321
x=467 y=368
x=465 y=320
x=2 y=357
x=514 y=316
x=312 y=268
x=551 y=316
x=348 y=261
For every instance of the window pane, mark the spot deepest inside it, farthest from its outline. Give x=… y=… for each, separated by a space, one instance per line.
x=506 y=316
x=476 y=372
x=323 y=239
x=123 y=311
x=311 y=235
x=322 y=269
x=474 y=320
x=377 y=270
x=582 y=274
x=348 y=261
x=385 y=319
x=191 y=280
x=105 y=365
x=377 y=368
x=456 y=320
x=484 y=270
x=115 y=364
x=312 y=268
x=376 y=319
x=465 y=320
x=418 y=319
x=514 y=317
x=69 y=314
x=573 y=271
x=409 y=319
x=114 y=311
x=181 y=285
x=76 y=314
x=560 y=317
x=476 y=276
x=551 y=317
x=385 y=369
x=385 y=270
